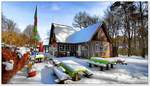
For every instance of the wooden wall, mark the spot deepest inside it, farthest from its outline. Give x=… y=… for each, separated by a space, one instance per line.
x=95 y=48
x=98 y=46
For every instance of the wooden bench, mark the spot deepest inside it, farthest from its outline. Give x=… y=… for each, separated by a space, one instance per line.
x=101 y=65
x=75 y=70
x=56 y=62
x=62 y=77
x=97 y=64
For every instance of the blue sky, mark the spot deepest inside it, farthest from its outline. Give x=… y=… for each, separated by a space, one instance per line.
x=49 y=12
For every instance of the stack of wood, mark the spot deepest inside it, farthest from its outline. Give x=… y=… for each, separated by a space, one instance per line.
x=8 y=55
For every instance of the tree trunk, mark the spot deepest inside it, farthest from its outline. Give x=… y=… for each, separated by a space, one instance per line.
x=143 y=48
x=142 y=33
x=115 y=49
x=129 y=46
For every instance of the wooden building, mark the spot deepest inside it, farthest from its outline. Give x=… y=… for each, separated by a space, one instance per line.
x=90 y=41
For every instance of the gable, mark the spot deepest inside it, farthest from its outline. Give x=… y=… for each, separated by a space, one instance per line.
x=101 y=35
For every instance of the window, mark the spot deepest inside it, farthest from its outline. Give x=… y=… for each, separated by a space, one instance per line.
x=61 y=47
x=67 y=47
x=64 y=47
x=99 y=47
x=105 y=47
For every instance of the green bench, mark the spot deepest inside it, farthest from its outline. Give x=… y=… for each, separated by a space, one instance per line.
x=75 y=70
x=62 y=77
x=102 y=62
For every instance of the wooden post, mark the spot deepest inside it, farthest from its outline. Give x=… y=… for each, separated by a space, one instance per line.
x=107 y=67
x=101 y=68
x=111 y=65
x=90 y=65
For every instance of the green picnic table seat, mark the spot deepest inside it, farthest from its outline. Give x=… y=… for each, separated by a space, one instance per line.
x=62 y=77
x=73 y=69
x=102 y=62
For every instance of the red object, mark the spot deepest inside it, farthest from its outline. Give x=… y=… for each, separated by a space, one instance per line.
x=41 y=47
x=32 y=74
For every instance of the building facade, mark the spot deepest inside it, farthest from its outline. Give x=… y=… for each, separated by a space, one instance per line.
x=88 y=42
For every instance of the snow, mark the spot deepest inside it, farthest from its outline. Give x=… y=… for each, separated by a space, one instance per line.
x=44 y=75
x=62 y=32
x=134 y=59
x=23 y=50
x=108 y=59
x=73 y=65
x=135 y=72
x=83 y=35
x=9 y=65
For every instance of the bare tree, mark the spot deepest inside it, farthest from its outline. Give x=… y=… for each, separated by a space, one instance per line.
x=114 y=26
x=83 y=20
x=9 y=25
x=28 y=30
x=126 y=8
x=131 y=19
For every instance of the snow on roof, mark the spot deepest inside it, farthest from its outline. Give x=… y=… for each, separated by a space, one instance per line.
x=62 y=32
x=84 y=35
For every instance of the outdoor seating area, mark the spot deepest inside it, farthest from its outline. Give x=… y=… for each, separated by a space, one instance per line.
x=71 y=70
x=68 y=71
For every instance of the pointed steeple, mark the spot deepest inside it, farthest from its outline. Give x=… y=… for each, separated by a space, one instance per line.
x=35 y=31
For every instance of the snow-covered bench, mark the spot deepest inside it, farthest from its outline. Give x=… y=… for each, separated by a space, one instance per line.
x=56 y=62
x=102 y=62
x=112 y=60
x=102 y=66
x=62 y=77
x=75 y=70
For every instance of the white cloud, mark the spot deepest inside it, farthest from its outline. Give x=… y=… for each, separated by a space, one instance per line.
x=55 y=7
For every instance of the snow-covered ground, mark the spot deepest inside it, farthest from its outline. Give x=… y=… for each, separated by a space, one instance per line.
x=135 y=72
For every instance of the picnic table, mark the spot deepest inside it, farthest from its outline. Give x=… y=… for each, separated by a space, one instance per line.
x=75 y=70
x=105 y=62
x=62 y=77
x=102 y=62
x=112 y=60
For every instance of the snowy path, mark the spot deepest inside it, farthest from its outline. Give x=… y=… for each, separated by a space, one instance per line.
x=135 y=72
